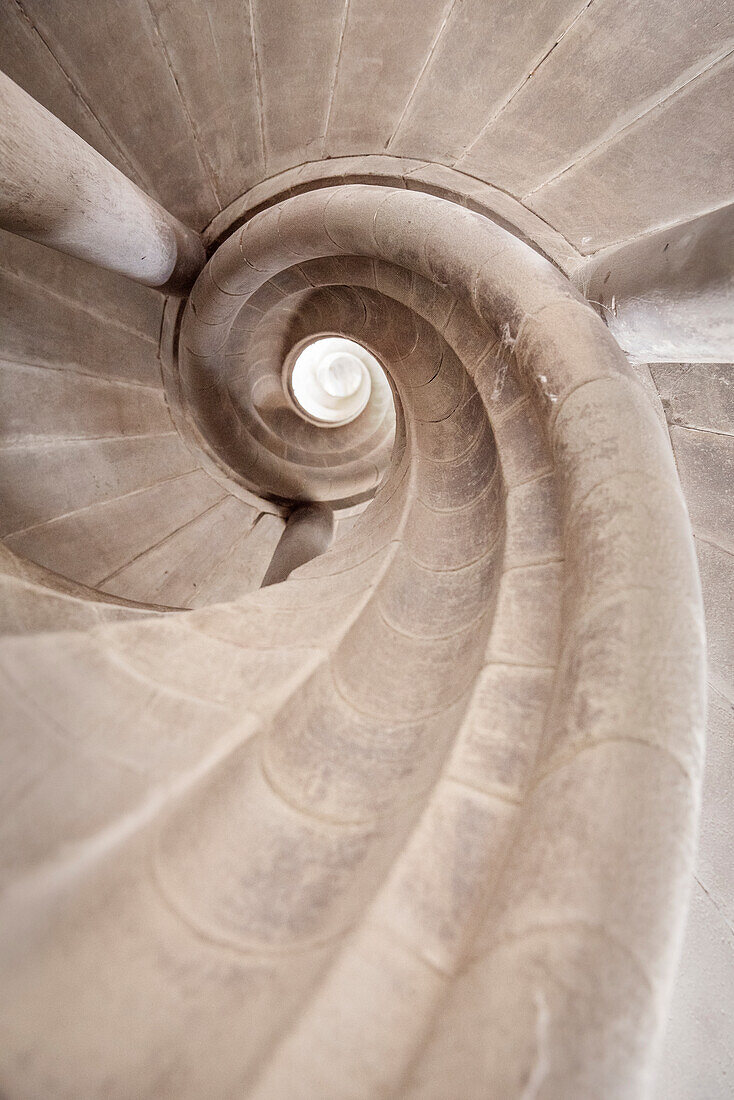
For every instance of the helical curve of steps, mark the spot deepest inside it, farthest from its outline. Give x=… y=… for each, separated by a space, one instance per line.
x=419 y=821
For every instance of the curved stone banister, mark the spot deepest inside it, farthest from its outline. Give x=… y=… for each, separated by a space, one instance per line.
x=417 y=822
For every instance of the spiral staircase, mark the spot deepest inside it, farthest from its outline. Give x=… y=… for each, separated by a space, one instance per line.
x=350 y=755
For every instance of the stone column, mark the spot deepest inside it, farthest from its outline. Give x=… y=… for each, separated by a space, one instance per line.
x=56 y=189
x=308 y=533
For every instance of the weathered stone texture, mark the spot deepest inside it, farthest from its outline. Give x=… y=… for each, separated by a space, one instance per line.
x=418 y=816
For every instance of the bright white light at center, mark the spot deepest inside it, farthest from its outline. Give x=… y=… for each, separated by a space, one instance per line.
x=331 y=379
x=340 y=374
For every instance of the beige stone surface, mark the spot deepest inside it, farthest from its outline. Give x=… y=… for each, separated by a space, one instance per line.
x=312 y=785
x=420 y=819
x=196 y=107
x=697 y=1056
x=657 y=54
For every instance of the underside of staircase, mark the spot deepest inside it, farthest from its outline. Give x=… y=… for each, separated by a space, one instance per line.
x=366 y=541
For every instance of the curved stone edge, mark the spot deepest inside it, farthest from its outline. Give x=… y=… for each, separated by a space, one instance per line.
x=183 y=422
x=192 y=437
x=388 y=171
x=601 y=427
